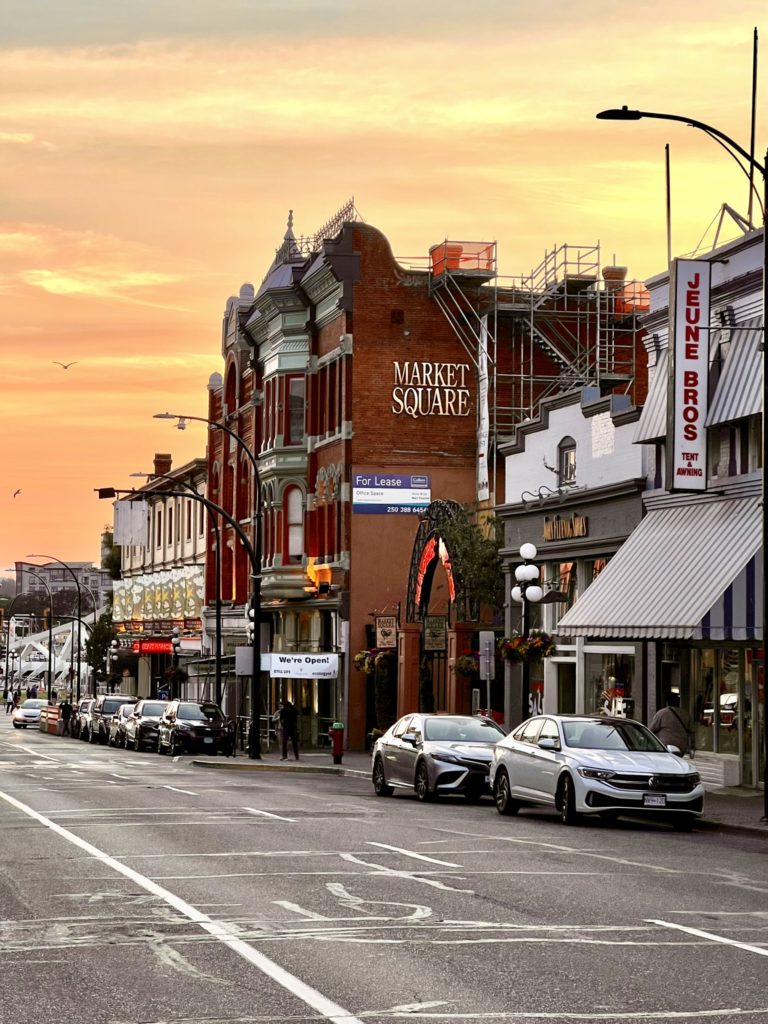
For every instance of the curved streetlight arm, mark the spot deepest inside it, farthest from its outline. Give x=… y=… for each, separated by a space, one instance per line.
x=217 y=566
x=71 y=572
x=50 y=622
x=625 y=114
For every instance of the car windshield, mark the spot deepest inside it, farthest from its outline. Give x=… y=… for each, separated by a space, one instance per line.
x=198 y=712
x=109 y=707
x=462 y=730
x=30 y=705
x=610 y=735
x=155 y=709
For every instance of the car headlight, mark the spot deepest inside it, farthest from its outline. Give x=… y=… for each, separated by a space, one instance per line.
x=694 y=777
x=603 y=774
x=183 y=727
x=443 y=755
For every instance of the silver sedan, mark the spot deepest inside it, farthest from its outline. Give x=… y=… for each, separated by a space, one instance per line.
x=433 y=754
x=583 y=765
x=28 y=713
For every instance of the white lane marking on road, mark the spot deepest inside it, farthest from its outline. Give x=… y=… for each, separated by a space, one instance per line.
x=418 y=856
x=116 y=776
x=727 y=1015
x=31 y=750
x=419 y=911
x=761 y=950
x=267 y=814
x=296 y=909
x=573 y=850
x=410 y=875
x=187 y=791
x=218 y=929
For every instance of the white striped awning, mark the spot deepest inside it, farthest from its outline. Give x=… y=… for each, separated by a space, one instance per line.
x=687 y=572
x=740 y=388
x=652 y=425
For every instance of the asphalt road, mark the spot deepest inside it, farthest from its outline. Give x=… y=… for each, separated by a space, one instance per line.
x=136 y=889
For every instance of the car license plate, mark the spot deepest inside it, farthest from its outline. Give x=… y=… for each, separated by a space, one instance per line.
x=207 y=739
x=654 y=800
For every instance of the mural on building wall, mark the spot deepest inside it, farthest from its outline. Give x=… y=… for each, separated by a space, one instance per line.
x=172 y=594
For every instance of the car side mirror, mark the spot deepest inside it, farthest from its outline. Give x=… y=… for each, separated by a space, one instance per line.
x=674 y=750
x=548 y=743
x=409 y=738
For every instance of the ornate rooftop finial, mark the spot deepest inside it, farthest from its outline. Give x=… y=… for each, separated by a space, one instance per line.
x=290 y=221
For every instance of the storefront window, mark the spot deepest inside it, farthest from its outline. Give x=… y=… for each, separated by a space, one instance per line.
x=609 y=684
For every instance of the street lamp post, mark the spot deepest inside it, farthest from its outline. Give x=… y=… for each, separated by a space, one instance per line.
x=71 y=572
x=525 y=592
x=41 y=579
x=110 y=658
x=254 y=738
x=732 y=147
x=217 y=570
x=111 y=492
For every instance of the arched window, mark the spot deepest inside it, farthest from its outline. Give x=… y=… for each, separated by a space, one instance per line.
x=294 y=517
x=566 y=462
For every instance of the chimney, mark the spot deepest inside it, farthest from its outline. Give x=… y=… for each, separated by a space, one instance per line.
x=163 y=464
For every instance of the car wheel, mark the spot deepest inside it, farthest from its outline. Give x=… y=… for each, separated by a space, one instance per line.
x=421 y=784
x=568 y=813
x=136 y=742
x=501 y=794
x=16 y=725
x=379 y=779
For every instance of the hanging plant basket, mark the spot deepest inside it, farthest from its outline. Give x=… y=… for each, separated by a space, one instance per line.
x=517 y=648
x=364 y=662
x=467 y=665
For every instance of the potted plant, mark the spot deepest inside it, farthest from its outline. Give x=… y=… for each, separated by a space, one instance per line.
x=537 y=644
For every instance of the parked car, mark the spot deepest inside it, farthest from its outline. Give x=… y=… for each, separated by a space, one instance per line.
x=28 y=712
x=82 y=718
x=187 y=726
x=435 y=754
x=116 y=734
x=594 y=765
x=143 y=725
x=105 y=706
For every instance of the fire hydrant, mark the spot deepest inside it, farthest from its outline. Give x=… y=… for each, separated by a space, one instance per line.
x=336 y=736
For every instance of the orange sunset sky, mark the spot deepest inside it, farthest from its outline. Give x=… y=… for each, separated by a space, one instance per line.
x=150 y=151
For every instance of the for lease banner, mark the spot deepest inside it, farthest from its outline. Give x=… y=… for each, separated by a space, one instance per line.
x=688 y=376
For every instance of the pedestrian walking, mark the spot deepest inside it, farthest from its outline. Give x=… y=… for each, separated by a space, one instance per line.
x=289 y=724
x=8 y=698
x=65 y=713
x=672 y=726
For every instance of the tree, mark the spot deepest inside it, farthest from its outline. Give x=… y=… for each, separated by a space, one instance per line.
x=111 y=559
x=474 y=545
x=98 y=643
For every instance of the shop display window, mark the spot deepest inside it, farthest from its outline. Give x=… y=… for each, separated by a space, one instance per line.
x=609 y=684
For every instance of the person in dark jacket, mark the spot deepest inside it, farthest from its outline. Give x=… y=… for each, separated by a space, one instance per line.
x=671 y=726
x=289 y=724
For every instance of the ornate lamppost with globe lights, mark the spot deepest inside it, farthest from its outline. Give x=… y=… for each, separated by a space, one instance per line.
x=526 y=591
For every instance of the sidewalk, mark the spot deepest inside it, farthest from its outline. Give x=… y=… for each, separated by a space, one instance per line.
x=725 y=810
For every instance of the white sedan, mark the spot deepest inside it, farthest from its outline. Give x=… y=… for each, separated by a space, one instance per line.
x=28 y=713
x=594 y=765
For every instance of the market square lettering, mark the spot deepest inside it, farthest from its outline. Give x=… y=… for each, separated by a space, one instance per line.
x=430 y=389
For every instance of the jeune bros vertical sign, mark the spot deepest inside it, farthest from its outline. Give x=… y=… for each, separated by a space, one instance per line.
x=688 y=376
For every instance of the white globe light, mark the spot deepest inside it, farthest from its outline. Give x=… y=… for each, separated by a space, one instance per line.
x=517 y=594
x=534 y=593
x=531 y=572
x=520 y=573
x=528 y=551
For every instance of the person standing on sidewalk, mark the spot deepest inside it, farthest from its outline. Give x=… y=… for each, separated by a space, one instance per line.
x=8 y=701
x=289 y=725
x=671 y=726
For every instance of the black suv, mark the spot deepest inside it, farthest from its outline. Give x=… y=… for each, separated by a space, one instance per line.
x=190 y=726
x=142 y=727
x=101 y=713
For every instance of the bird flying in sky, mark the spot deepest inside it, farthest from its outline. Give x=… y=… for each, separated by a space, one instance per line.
x=17 y=491
x=64 y=366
